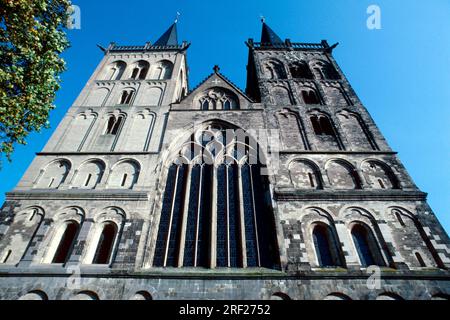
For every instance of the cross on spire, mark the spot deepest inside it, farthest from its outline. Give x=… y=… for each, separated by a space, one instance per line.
x=177 y=17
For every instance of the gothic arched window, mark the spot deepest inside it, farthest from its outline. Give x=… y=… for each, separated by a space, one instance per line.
x=230 y=225
x=205 y=105
x=105 y=244
x=366 y=246
x=218 y=99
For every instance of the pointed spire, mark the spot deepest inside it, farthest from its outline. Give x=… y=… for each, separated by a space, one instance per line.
x=268 y=36
x=169 y=38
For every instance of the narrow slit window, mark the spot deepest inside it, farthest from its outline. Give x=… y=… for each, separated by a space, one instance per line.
x=381 y=184
x=6 y=256
x=420 y=260
x=32 y=215
x=124 y=179
x=88 y=179
x=311 y=180
x=400 y=219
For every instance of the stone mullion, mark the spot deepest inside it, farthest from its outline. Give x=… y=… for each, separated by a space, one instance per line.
x=242 y=219
x=351 y=259
x=213 y=226
x=292 y=86
x=169 y=230
x=96 y=130
x=254 y=216
x=182 y=243
x=341 y=136
x=86 y=136
x=227 y=199
x=34 y=243
x=199 y=203
x=322 y=95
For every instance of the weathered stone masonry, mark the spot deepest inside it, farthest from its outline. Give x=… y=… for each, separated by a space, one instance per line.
x=119 y=205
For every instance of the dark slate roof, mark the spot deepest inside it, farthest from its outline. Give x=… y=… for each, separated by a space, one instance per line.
x=169 y=38
x=269 y=36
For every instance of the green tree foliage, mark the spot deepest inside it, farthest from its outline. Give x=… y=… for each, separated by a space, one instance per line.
x=32 y=38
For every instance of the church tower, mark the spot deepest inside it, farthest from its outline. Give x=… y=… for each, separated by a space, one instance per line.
x=339 y=179
x=90 y=183
x=287 y=190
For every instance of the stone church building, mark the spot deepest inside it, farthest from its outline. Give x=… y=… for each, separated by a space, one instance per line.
x=149 y=189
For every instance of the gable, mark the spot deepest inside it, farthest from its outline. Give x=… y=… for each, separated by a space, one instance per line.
x=217 y=91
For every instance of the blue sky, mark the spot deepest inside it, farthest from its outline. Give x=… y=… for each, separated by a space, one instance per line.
x=401 y=72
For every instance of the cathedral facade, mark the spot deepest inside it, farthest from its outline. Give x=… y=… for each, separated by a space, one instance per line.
x=288 y=190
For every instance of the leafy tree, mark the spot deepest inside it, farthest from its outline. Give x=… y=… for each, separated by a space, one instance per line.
x=32 y=38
